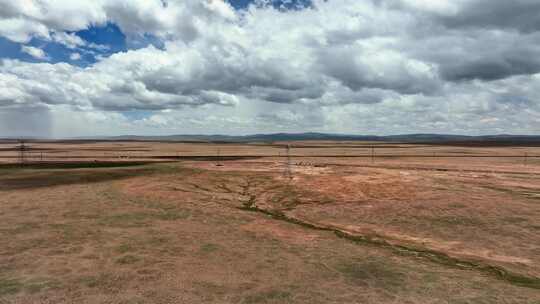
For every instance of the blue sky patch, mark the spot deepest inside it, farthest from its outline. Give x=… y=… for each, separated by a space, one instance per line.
x=109 y=35
x=11 y=50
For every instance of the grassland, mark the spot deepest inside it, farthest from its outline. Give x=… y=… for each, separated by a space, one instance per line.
x=343 y=230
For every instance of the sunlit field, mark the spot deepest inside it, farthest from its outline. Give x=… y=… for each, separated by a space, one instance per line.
x=336 y=222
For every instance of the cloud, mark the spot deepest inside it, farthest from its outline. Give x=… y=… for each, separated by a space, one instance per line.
x=359 y=68
x=70 y=40
x=22 y=20
x=26 y=122
x=22 y=30
x=520 y=15
x=337 y=65
x=74 y=56
x=34 y=52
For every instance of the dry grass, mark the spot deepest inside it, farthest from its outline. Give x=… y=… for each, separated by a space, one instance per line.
x=196 y=233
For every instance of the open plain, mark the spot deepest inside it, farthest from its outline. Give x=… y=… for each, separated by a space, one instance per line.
x=328 y=222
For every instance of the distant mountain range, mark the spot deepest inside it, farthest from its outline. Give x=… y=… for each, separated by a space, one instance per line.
x=451 y=139
x=277 y=137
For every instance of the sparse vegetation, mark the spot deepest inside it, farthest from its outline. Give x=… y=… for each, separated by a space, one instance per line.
x=128 y=259
x=208 y=248
x=36 y=285
x=242 y=233
x=270 y=296
x=10 y=286
x=372 y=272
x=124 y=248
x=127 y=220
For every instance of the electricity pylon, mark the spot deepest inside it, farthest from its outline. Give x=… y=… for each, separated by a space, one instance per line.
x=22 y=152
x=288 y=170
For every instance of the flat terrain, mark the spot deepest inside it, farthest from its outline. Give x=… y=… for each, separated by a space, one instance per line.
x=353 y=222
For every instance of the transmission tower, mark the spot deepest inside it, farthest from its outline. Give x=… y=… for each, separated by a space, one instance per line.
x=22 y=152
x=219 y=164
x=288 y=170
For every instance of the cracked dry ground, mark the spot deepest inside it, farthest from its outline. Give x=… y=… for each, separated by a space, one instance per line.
x=195 y=233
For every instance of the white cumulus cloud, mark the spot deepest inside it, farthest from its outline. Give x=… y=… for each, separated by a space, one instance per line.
x=34 y=52
x=340 y=65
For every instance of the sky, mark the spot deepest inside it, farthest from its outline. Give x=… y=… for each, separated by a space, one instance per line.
x=159 y=67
